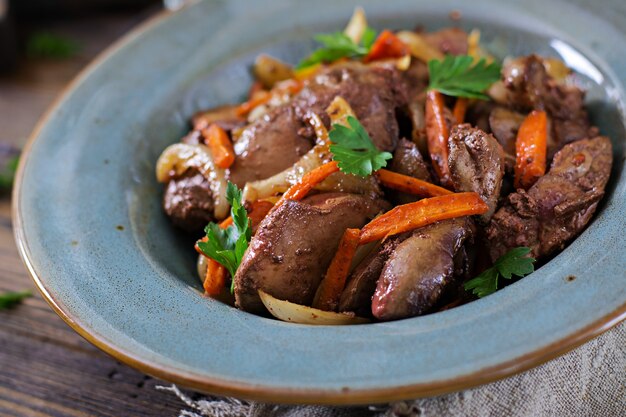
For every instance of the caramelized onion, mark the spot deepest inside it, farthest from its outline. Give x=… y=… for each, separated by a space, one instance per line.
x=178 y=158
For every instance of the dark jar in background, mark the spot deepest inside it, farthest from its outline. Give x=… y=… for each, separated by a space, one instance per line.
x=8 y=46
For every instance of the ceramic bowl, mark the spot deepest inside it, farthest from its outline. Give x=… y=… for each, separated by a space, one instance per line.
x=91 y=231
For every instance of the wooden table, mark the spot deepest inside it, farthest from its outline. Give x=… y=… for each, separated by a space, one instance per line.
x=46 y=369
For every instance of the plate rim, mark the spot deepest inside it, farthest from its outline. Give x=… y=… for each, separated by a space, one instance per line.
x=258 y=392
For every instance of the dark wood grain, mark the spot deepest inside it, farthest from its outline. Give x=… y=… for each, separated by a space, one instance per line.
x=46 y=369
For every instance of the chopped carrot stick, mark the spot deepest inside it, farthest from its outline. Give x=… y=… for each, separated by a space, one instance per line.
x=255 y=88
x=329 y=291
x=215 y=278
x=309 y=180
x=221 y=147
x=226 y=222
x=460 y=107
x=409 y=185
x=421 y=213
x=258 y=210
x=530 y=149
x=262 y=97
x=387 y=45
x=437 y=135
x=259 y=98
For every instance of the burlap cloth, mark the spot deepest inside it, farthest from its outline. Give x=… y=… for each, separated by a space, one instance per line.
x=589 y=381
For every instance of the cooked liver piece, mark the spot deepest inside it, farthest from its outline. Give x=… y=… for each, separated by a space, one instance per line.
x=408 y=160
x=276 y=141
x=451 y=41
x=269 y=145
x=420 y=269
x=292 y=248
x=504 y=124
x=558 y=206
x=374 y=93
x=476 y=162
x=188 y=201
x=357 y=295
x=531 y=87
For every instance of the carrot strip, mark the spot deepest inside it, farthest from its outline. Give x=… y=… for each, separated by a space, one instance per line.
x=262 y=97
x=258 y=210
x=530 y=149
x=409 y=185
x=437 y=135
x=329 y=291
x=215 y=278
x=460 y=107
x=421 y=213
x=309 y=180
x=221 y=147
x=259 y=98
x=255 y=88
x=387 y=45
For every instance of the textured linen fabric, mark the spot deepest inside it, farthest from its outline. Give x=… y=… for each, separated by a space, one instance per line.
x=589 y=381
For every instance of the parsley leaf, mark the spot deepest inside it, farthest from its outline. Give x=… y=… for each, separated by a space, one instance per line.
x=48 y=45
x=354 y=151
x=456 y=76
x=514 y=262
x=227 y=246
x=368 y=38
x=10 y=299
x=338 y=45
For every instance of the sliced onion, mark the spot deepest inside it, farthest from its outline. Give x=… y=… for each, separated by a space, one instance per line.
x=418 y=46
x=178 y=158
x=269 y=70
x=202 y=266
x=296 y=313
x=279 y=183
x=403 y=63
x=356 y=26
x=338 y=111
x=203 y=119
x=556 y=69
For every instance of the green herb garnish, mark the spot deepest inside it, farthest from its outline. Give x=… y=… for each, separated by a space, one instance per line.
x=227 y=246
x=338 y=45
x=48 y=45
x=354 y=150
x=514 y=262
x=456 y=76
x=7 y=175
x=10 y=299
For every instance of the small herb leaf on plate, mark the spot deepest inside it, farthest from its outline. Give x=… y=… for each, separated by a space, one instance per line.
x=514 y=262
x=338 y=45
x=354 y=150
x=227 y=246
x=458 y=76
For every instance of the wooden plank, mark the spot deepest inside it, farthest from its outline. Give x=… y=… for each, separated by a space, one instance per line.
x=46 y=369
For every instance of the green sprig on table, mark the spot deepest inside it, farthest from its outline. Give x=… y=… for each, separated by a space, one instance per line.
x=7 y=174
x=11 y=299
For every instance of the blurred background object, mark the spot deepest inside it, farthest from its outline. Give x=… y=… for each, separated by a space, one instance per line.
x=8 y=49
x=20 y=19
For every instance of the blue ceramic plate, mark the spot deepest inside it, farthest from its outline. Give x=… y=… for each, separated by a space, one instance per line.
x=91 y=231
